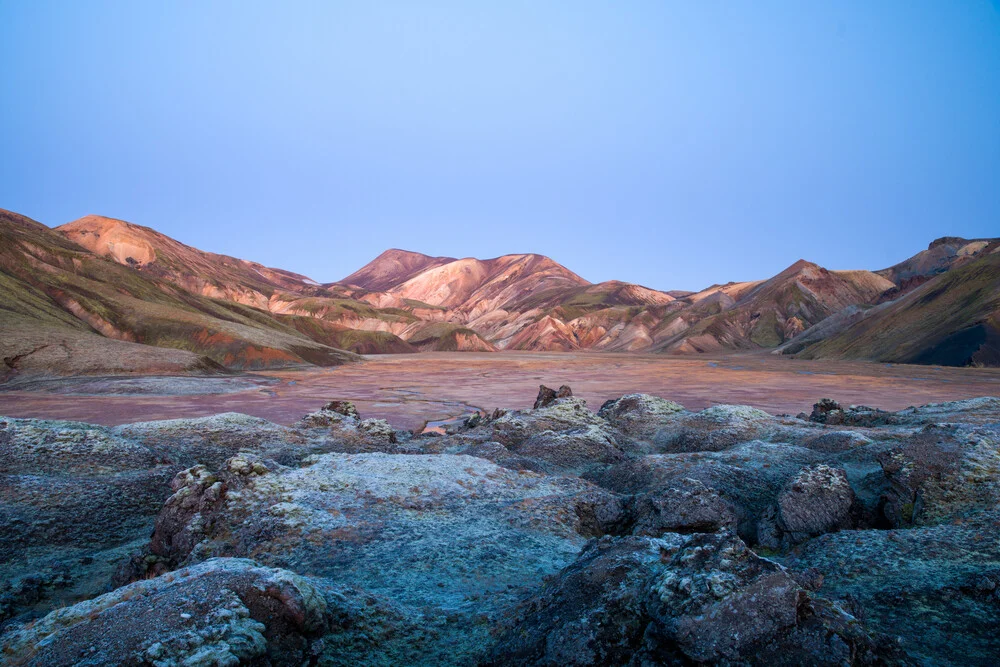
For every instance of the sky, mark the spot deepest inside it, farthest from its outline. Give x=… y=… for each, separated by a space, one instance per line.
x=672 y=144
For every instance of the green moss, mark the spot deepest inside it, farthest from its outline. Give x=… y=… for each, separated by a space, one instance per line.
x=767 y=331
x=414 y=303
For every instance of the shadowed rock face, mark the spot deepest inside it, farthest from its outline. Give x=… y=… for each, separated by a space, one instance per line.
x=225 y=612
x=642 y=534
x=676 y=600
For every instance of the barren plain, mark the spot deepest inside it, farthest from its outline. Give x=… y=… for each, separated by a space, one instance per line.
x=407 y=389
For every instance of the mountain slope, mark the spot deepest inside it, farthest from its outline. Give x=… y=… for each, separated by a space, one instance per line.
x=166 y=260
x=953 y=319
x=101 y=276
x=51 y=283
x=393 y=267
x=768 y=313
x=942 y=255
x=468 y=285
x=162 y=258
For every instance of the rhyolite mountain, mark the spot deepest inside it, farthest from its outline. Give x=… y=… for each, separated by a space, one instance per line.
x=100 y=295
x=65 y=309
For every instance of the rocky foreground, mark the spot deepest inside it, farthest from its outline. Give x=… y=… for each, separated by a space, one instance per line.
x=643 y=534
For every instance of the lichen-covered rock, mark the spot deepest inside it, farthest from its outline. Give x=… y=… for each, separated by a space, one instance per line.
x=438 y=530
x=748 y=477
x=711 y=430
x=212 y=440
x=942 y=473
x=571 y=452
x=982 y=410
x=76 y=499
x=830 y=412
x=935 y=588
x=223 y=612
x=37 y=446
x=546 y=396
x=379 y=429
x=446 y=533
x=639 y=415
x=678 y=600
x=816 y=501
x=564 y=414
x=835 y=442
x=826 y=410
x=685 y=506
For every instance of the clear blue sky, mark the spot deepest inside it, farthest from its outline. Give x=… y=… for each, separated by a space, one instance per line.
x=674 y=144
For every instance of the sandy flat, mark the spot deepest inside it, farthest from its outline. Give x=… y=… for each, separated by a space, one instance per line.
x=409 y=389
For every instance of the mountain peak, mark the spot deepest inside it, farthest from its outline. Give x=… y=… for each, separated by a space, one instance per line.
x=392 y=267
x=110 y=237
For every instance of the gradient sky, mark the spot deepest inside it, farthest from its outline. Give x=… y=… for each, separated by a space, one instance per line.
x=674 y=144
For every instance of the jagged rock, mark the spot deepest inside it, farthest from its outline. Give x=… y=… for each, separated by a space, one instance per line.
x=982 y=410
x=935 y=588
x=449 y=541
x=942 y=473
x=224 y=612
x=331 y=414
x=78 y=498
x=379 y=429
x=513 y=428
x=711 y=430
x=675 y=600
x=836 y=441
x=686 y=506
x=816 y=501
x=212 y=440
x=571 y=452
x=547 y=396
x=639 y=415
x=749 y=477
x=439 y=531
x=345 y=408
x=827 y=411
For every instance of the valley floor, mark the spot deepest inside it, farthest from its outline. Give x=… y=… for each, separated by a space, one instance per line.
x=408 y=389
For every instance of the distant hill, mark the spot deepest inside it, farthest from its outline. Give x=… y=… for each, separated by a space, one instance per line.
x=58 y=298
x=952 y=319
x=104 y=284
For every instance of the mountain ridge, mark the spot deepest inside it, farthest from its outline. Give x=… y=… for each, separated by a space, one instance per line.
x=404 y=301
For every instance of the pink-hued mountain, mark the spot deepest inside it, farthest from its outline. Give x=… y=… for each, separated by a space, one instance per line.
x=104 y=279
x=392 y=267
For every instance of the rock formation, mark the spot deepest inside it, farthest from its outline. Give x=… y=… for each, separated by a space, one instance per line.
x=641 y=534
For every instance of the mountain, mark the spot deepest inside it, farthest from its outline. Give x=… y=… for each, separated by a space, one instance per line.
x=57 y=296
x=942 y=255
x=952 y=319
x=766 y=314
x=520 y=301
x=99 y=278
x=281 y=293
x=162 y=258
x=392 y=267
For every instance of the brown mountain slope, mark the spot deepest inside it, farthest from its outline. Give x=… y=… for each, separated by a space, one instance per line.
x=162 y=258
x=51 y=283
x=166 y=260
x=941 y=255
x=521 y=301
x=471 y=285
x=952 y=320
x=393 y=267
x=766 y=314
x=132 y=283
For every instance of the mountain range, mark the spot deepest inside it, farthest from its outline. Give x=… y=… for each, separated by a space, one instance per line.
x=105 y=296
